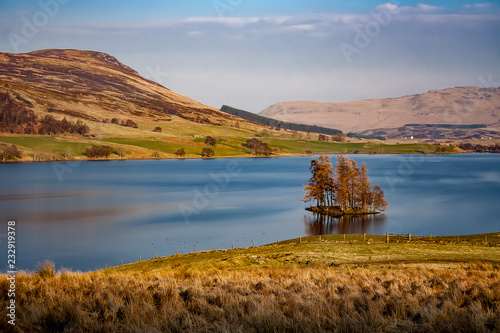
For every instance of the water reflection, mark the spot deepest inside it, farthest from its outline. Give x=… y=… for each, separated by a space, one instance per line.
x=318 y=224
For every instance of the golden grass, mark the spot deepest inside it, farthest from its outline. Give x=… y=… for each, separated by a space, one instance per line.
x=384 y=299
x=304 y=285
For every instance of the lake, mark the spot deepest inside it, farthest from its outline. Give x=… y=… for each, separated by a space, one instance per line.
x=83 y=215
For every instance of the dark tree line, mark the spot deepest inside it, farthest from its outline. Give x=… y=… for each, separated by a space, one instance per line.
x=277 y=123
x=480 y=148
x=18 y=120
x=343 y=190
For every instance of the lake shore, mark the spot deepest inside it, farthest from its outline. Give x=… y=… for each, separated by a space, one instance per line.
x=35 y=148
x=354 y=285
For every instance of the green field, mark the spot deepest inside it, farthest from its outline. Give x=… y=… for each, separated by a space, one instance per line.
x=47 y=143
x=230 y=143
x=333 y=250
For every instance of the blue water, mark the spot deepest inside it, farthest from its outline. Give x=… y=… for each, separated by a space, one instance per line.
x=85 y=215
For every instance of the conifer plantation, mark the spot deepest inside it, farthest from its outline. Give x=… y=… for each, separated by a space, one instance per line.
x=343 y=190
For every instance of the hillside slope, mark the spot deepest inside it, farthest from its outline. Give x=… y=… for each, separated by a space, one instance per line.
x=91 y=86
x=456 y=106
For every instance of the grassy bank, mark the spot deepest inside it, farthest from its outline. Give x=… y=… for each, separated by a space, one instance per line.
x=304 y=285
x=143 y=143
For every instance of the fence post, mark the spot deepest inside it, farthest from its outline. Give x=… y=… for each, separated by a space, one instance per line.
x=156 y=255
x=277 y=241
x=387 y=238
x=364 y=237
x=232 y=246
x=176 y=252
x=213 y=247
x=409 y=237
x=139 y=258
x=194 y=248
x=253 y=243
x=121 y=263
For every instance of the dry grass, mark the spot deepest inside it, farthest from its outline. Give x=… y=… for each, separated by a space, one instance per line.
x=342 y=299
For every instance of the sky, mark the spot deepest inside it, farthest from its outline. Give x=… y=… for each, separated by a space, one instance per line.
x=250 y=54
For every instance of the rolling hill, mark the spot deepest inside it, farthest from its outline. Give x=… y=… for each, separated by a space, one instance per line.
x=453 y=106
x=92 y=86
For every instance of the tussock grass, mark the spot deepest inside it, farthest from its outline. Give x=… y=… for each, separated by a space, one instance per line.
x=46 y=269
x=303 y=285
x=384 y=299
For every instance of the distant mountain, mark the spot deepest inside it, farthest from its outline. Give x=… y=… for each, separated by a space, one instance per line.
x=453 y=106
x=92 y=86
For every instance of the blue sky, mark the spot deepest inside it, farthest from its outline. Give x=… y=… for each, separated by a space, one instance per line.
x=252 y=53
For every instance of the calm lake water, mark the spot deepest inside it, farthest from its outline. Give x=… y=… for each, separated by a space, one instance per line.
x=85 y=215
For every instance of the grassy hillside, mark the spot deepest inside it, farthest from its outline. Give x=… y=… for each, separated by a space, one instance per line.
x=301 y=285
x=144 y=143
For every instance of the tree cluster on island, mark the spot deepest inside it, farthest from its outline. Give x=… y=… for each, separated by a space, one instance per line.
x=343 y=190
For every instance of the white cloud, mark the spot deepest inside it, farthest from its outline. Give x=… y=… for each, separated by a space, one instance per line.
x=478 y=5
x=299 y=27
x=427 y=8
x=419 y=9
x=194 y=33
x=388 y=6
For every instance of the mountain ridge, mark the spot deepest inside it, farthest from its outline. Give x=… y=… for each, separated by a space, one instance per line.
x=454 y=106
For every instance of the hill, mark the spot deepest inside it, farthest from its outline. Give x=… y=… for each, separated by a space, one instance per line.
x=453 y=106
x=92 y=86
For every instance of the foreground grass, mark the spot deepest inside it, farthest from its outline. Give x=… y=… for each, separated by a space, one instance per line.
x=304 y=285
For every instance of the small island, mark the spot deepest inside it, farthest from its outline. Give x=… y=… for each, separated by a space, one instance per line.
x=343 y=191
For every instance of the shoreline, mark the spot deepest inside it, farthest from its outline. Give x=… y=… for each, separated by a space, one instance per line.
x=232 y=157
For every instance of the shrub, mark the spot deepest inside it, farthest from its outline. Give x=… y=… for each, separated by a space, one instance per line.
x=210 y=141
x=9 y=153
x=323 y=138
x=258 y=147
x=115 y=121
x=158 y=130
x=98 y=151
x=207 y=152
x=180 y=152
x=129 y=123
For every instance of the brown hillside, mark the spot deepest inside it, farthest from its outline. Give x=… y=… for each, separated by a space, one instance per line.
x=92 y=86
x=456 y=106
